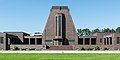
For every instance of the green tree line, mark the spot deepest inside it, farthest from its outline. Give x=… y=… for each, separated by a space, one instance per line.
x=87 y=32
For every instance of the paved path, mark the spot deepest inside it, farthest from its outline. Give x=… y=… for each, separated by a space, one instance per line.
x=59 y=51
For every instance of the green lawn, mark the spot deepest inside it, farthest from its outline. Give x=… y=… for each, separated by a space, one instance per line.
x=58 y=56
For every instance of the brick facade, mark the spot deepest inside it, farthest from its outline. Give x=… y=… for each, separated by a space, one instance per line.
x=59 y=34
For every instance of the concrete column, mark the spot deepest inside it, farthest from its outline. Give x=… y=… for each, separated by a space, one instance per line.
x=83 y=41
x=103 y=41
x=57 y=25
x=8 y=41
x=57 y=43
x=5 y=41
x=35 y=41
x=61 y=25
x=90 y=41
x=29 y=41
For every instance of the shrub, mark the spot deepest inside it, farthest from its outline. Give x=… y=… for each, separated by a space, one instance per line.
x=32 y=49
x=97 y=48
x=106 y=49
x=90 y=49
x=16 y=48
x=24 y=49
x=82 y=48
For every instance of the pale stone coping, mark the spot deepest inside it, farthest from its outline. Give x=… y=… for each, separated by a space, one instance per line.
x=60 y=51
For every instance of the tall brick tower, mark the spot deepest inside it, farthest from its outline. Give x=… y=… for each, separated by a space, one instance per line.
x=59 y=30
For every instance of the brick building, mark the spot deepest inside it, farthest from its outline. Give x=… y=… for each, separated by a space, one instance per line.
x=59 y=34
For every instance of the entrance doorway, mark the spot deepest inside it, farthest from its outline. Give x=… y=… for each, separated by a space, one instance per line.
x=57 y=42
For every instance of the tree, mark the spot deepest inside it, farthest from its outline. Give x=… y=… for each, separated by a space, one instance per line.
x=112 y=30
x=95 y=31
x=86 y=32
x=118 y=29
x=37 y=33
x=82 y=32
x=106 y=30
x=79 y=32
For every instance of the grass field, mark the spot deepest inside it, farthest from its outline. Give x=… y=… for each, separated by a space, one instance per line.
x=59 y=56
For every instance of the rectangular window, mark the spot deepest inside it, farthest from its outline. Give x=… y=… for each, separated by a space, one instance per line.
x=39 y=40
x=48 y=40
x=87 y=41
x=56 y=25
x=32 y=40
x=1 y=40
x=104 y=41
x=118 y=40
x=80 y=41
x=93 y=41
x=107 y=41
x=110 y=40
x=26 y=40
x=59 y=25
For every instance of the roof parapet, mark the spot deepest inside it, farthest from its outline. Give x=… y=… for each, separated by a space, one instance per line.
x=59 y=7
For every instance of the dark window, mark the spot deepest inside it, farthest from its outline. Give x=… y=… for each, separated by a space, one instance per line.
x=26 y=40
x=39 y=40
x=80 y=41
x=59 y=25
x=87 y=41
x=104 y=41
x=32 y=40
x=110 y=40
x=1 y=40
x=48 y=40
x=118 y=40
x=93 y=41
x=12 y=40
x=56 y=25
x=107 y=41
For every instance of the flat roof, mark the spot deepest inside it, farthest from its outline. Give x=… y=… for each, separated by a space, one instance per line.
x=15 y=32
x=32 y=36
x=87 y=36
